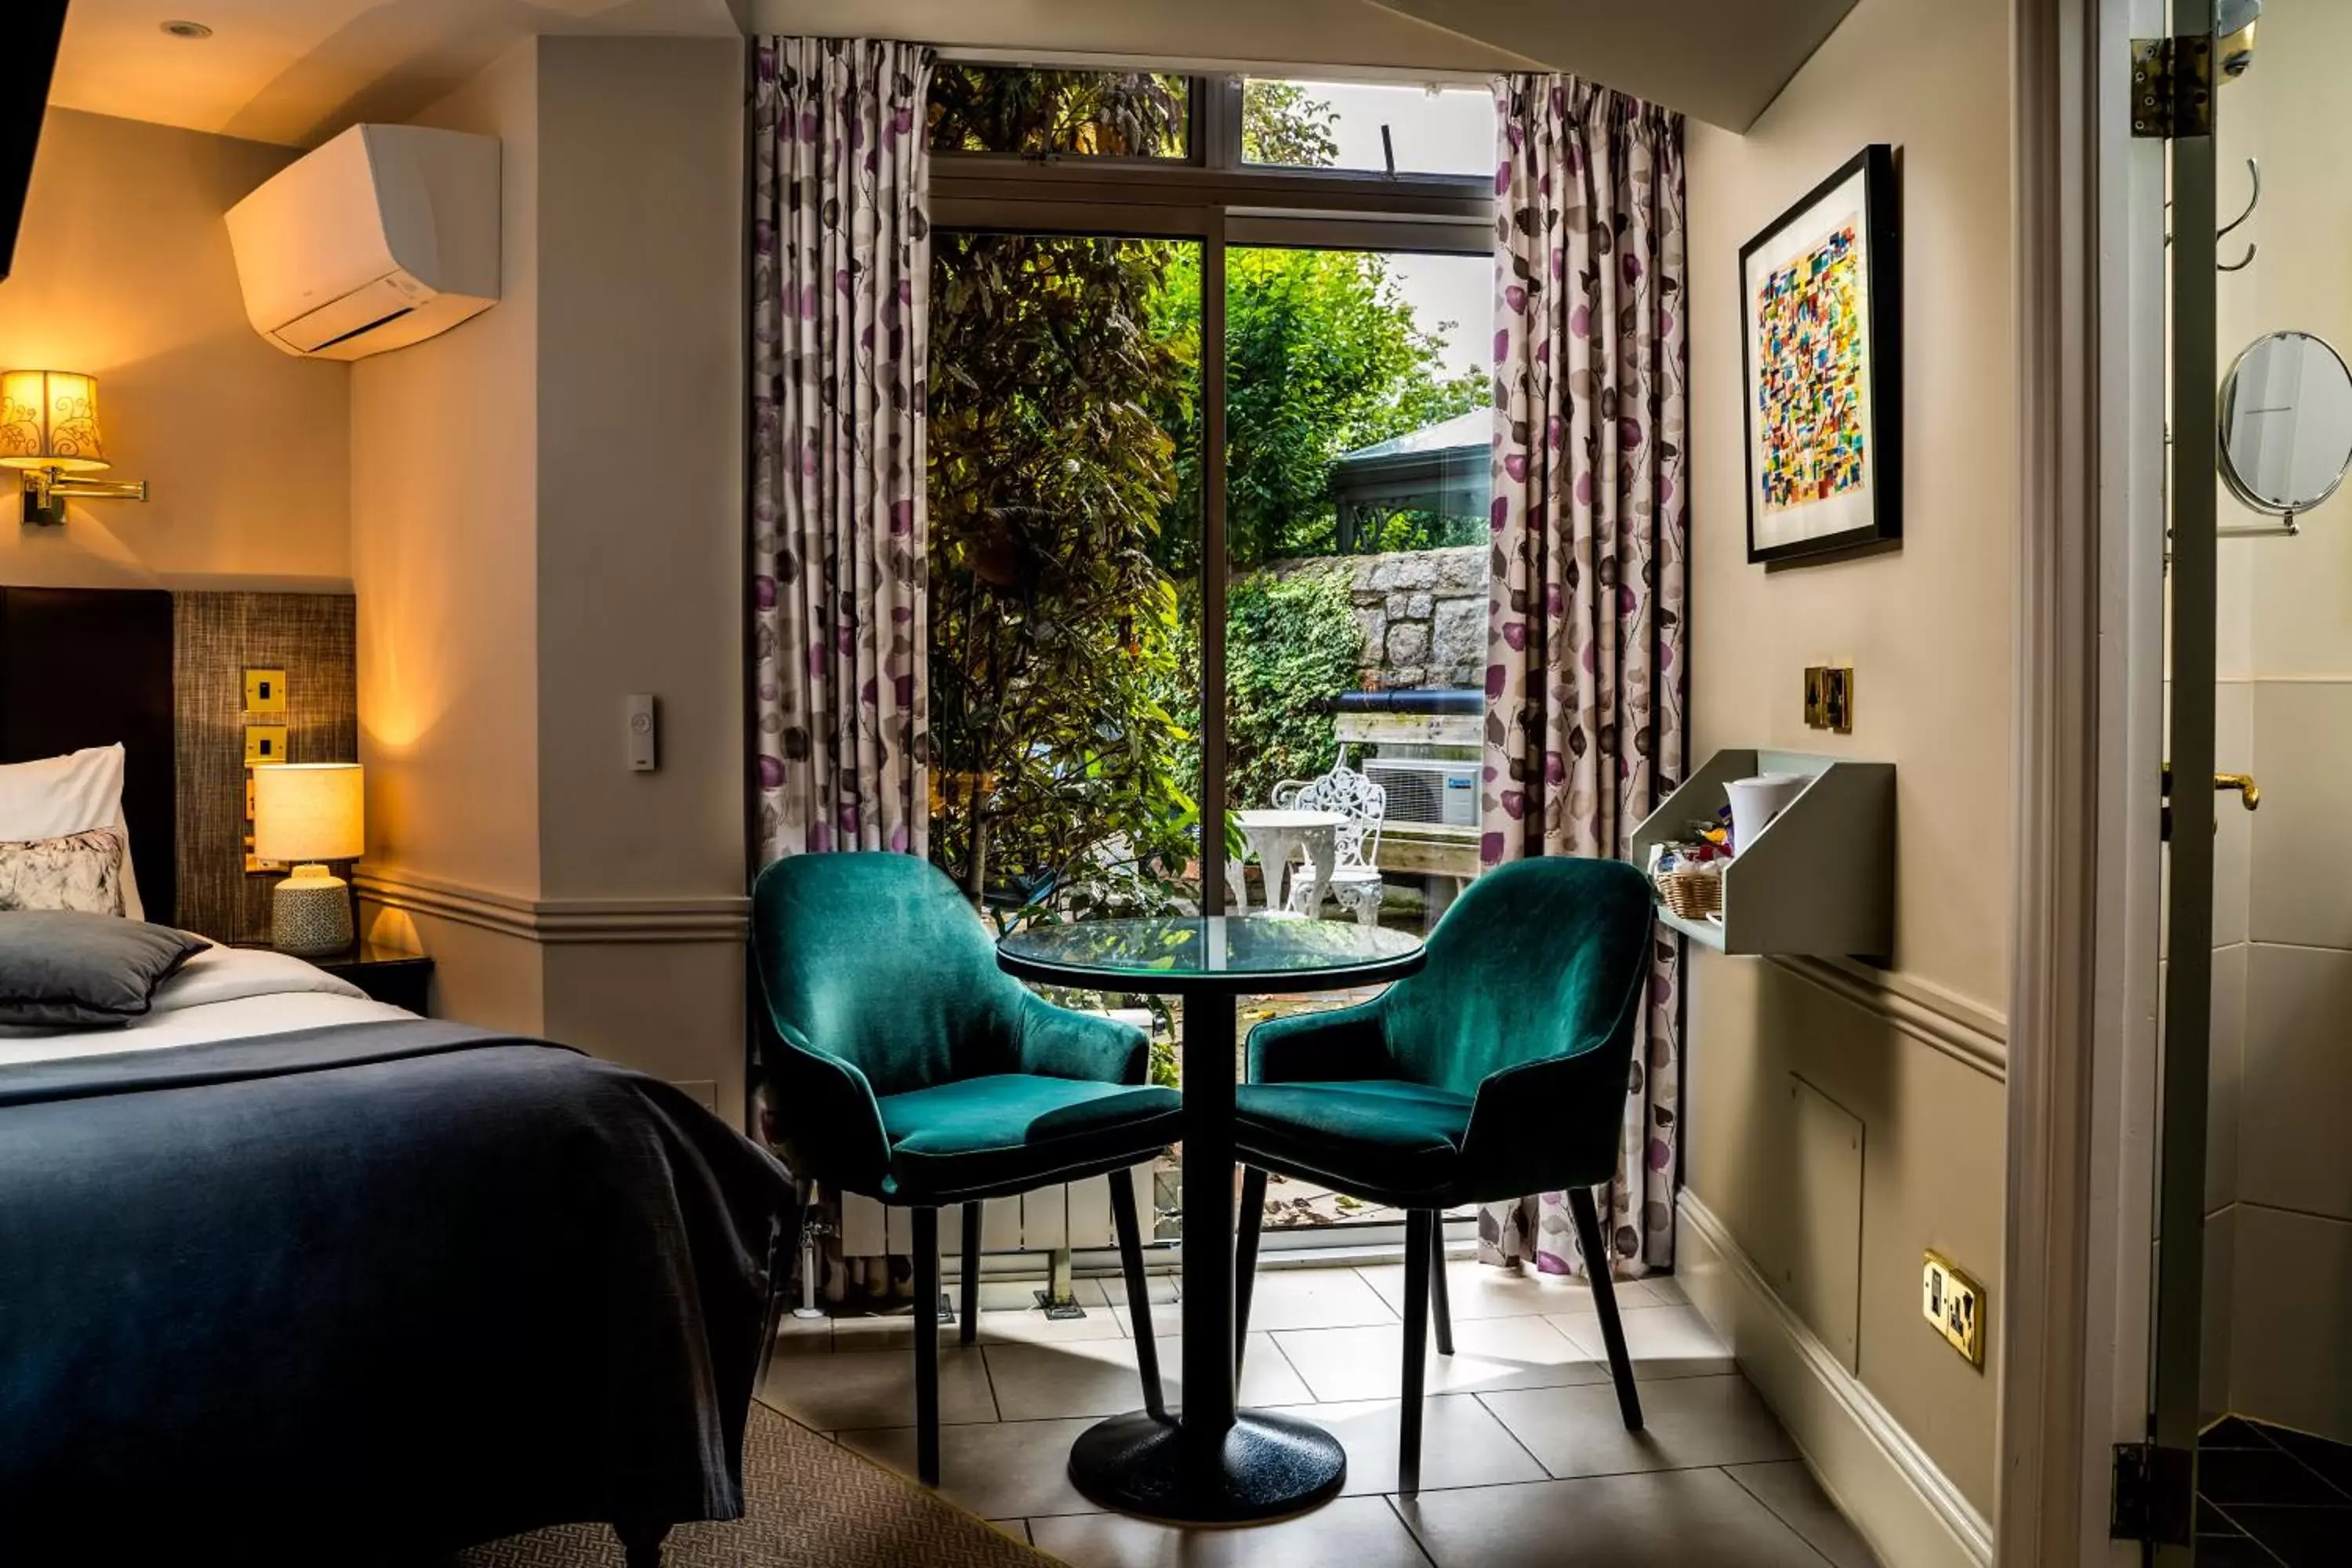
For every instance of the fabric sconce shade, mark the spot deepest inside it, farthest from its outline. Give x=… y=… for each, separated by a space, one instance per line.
x=308 y=811
x=48 y=420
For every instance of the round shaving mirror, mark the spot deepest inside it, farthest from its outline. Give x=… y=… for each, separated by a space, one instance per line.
x=2286 y=423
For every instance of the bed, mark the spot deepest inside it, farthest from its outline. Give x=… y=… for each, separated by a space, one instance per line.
x=287 y=1274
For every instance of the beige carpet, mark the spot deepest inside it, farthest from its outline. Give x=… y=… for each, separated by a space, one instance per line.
x=807 y=1504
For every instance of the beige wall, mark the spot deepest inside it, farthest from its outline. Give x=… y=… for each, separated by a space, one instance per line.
x=124 y=271
x=2279 y=1186
x=547 y=517
x=640 y=571
x=444 y=529
x=1928 y=630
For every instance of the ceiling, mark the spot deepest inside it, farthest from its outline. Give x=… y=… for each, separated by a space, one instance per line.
x=1716 y=60
x=296 y=71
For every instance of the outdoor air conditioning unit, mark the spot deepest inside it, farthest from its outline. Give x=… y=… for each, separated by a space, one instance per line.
x=383 y=237
x=1441 y=792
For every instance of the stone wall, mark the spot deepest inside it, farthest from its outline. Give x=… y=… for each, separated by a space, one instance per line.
x=1423 y=614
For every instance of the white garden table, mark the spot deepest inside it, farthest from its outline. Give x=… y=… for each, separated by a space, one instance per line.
x=1276 y=836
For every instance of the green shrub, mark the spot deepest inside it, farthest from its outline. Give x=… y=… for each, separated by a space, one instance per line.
x=1292 y=645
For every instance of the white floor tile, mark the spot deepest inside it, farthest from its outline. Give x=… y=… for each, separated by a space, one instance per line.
x=995 y=1469
x=1685 y=1518
x=1663 y=1342
x=1098 y=1377
x=1016 y=1528
x=1163 y=1289
x=1667 y=1290
x=1462 y=1444
x=1314 y=1299
x=1476 y=1290
x=1789 y=1490
x=1489 y=1353
x=803 y=1336
x=1687 y=1421
x=849 y=1390
x=1351 y=1532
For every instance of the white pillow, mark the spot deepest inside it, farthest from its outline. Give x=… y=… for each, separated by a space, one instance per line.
x=58 y=796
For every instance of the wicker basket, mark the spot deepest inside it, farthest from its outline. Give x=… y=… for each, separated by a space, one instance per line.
x=1692 y=893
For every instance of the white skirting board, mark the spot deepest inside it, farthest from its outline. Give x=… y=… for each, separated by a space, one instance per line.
x=1881 y=1479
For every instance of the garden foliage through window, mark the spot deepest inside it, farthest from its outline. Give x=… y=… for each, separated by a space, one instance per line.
x=1067 y=429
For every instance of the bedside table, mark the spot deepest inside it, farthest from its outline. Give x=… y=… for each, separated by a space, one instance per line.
x=386 y=973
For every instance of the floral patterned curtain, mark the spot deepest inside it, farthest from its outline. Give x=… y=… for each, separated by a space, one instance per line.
x=1585 y=725
x=841 y=253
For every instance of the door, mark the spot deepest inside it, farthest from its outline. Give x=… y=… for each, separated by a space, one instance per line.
x=2250 y=1369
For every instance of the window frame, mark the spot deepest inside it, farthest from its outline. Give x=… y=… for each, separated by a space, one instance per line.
x=1215 y=198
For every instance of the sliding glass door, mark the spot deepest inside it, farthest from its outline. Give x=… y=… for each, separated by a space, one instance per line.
x=1208 y=444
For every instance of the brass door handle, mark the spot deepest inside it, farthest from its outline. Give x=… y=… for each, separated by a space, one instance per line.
x=2250 y=794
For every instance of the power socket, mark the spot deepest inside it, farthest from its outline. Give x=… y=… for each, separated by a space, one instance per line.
x=1956 y=1305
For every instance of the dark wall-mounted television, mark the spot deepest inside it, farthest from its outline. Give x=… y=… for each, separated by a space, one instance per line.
x=28 y=57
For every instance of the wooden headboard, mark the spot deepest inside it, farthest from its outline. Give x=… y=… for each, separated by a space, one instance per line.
x=85 y=667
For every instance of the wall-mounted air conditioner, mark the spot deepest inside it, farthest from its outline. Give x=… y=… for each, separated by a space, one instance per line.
x=1437 y=791
x=384 y=237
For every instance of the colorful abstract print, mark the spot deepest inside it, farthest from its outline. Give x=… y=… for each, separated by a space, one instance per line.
x=1809 y=396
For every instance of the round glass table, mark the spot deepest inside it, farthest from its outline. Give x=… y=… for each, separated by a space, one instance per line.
x=1214 y=1463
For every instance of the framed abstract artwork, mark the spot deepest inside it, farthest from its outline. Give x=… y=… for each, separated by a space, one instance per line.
x=1820 y=303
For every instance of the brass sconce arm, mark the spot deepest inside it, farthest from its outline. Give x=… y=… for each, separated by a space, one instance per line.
x=47 y=490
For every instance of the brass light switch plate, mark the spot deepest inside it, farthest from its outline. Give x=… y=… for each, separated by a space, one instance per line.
x=264 y=744
x=1837 y=698
x=264 y=691
x=1814 y=675
x=1956 y=1305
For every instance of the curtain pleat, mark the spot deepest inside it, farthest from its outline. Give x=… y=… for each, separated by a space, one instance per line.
x=1585 y=722
x=841 y=260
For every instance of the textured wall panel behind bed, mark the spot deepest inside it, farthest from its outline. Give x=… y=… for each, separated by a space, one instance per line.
x=217 y=638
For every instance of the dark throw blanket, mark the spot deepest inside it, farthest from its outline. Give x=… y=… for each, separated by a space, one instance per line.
x=405 y=1285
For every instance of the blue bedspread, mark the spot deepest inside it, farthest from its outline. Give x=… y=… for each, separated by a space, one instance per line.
x=366 y=1293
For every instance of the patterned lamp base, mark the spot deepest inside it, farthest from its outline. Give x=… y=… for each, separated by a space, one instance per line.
x=311 y=914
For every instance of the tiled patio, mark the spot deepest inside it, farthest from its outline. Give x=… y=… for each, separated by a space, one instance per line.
x=1525 y=1461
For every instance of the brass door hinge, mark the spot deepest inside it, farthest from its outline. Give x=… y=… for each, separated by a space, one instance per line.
x=2172 y=87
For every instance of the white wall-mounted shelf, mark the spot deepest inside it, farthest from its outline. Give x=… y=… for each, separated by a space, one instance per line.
x=1818 y=882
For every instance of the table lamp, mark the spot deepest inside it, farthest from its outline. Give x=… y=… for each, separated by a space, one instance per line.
x=309 y=813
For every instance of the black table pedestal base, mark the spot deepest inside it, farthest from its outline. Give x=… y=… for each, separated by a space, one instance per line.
x=1270 y=1466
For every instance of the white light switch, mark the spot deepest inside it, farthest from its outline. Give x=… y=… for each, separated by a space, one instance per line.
x=643 y=734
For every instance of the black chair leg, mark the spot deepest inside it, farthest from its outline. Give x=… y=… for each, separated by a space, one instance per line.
x=1246 y=1225
x=1438 y=1305
x=1418 y=1226
x=1597 y=1269
x=969 y=1328
x=641 y=1544
x=927 y=1345
x=1138 y=1302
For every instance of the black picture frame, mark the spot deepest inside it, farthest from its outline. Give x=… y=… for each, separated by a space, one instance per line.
x=1881 y=238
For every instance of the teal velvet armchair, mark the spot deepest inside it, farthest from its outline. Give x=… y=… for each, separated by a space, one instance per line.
x=902 y=1064
x=1498 y=1070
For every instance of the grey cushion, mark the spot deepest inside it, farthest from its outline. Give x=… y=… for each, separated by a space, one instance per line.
x=62 y=969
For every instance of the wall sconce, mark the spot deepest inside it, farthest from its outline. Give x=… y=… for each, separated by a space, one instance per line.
x=48 y=429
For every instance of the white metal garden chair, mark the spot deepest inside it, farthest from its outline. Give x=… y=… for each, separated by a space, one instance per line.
x=1355 y=873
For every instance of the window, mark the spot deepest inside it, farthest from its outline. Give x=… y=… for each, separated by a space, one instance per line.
x=1076 y=509
x=1378 y=128
x=1043 y=113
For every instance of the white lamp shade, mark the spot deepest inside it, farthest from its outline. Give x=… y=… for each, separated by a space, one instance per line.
x=308 y=811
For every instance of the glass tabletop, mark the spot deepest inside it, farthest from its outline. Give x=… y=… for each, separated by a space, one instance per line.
x=1268 y=953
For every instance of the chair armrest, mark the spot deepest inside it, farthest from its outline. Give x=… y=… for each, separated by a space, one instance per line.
x=1321 y=1047
x=1548 y=1124
x=1054 y=1042
x=825 y=1114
